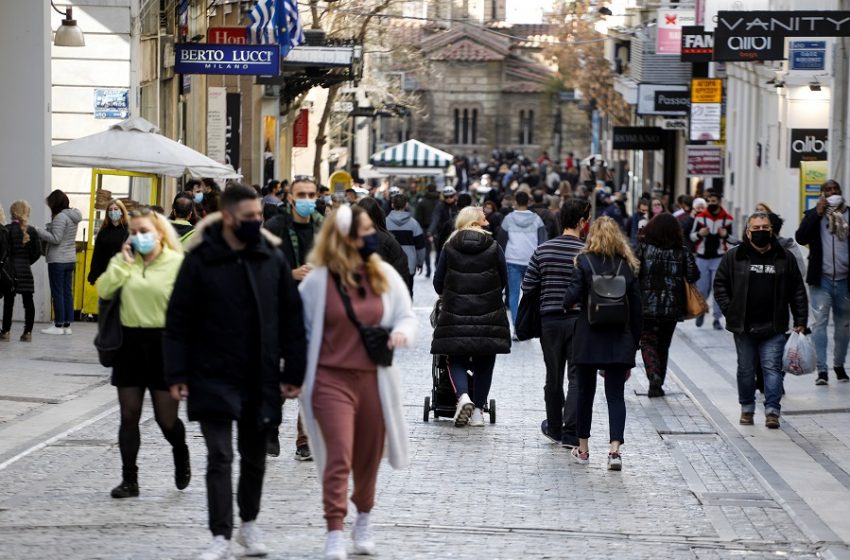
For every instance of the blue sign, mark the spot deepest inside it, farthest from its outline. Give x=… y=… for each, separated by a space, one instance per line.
x=111 y=103
x=256 y=60
x=807 y=55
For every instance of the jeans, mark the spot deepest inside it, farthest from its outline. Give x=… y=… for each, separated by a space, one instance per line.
x=615 y=383
x=516 y=272
x=830 y=295
x=218 y=436
x=61 y=276
x=29 y=311
x=769 y=350
x=707 y=270
x=482 y=376
x=655 y=339
x=556 y=340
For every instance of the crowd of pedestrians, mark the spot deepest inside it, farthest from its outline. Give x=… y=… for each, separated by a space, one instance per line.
x=245 y=297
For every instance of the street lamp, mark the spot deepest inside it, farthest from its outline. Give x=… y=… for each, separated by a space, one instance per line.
x=68 y=34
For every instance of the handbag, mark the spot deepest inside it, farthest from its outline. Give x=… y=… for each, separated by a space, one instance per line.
x=528 y=323
x=695 y=304
x=435 y=312
x=110 y=333
x=375 y=338
x=607 y=304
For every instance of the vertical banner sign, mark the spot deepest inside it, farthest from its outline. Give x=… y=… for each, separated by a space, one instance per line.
x=233 y=129
x=812 y=175
x=706 y=109
x=216 y=123
x=668 y=39
x=301 y=129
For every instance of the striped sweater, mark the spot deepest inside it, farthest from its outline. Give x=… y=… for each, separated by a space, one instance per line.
x=551 y=268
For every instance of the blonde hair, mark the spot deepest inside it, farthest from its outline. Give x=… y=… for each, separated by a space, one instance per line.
x=468 y=218
x=20 y=211
x=335 y=250
x=766 y=207
x=167 y=234
x=125 y=218
x=606 y=238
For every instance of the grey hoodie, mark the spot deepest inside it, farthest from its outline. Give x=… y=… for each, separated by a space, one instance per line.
x=520 y=234
x=409 y=235
x=60 y=235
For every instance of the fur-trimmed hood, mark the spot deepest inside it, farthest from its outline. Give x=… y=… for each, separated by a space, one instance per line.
x=213 y=221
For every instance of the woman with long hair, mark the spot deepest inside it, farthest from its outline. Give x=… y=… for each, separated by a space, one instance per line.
x=388 y=248
x=144 y=272
x=61 y=236
x=608 y=347
x=665 y=266
x=351 y=405
x=112 y=235
x=472 y=327
x=24 y=250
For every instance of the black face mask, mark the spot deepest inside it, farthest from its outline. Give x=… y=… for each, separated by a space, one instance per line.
x=248 y=231
x=760 y=238
x=713 y=208
x=370 y=245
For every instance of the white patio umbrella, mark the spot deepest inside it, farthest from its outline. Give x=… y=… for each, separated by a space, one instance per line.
x=136 y=145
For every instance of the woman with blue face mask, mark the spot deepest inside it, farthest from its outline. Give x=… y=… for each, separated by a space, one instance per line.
x=142 y=274
x=110 y=238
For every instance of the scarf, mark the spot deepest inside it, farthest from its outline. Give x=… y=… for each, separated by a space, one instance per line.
x=836 y=224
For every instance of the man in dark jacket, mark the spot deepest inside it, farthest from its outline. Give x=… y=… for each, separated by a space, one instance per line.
x=824 y=229
x=234 y=315
x=424 y=211
x=445 y=212
x=540 y=207
x=755 y=286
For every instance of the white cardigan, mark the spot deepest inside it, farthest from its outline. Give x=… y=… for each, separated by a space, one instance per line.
x=398 y=316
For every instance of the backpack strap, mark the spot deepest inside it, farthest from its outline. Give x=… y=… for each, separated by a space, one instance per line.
x=590 y=262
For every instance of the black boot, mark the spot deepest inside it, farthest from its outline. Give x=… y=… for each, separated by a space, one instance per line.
x=182 y=467
x=655 y=390
x=129 y=487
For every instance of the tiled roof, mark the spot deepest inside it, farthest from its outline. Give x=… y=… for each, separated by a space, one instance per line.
x=523 y=87
x=466 y=50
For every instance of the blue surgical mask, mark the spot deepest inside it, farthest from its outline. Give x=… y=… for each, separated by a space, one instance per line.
x=115 y=215
x=370 y=245
x=198 y=197
x=305 y=207
x=143 y=243
x=328 y=200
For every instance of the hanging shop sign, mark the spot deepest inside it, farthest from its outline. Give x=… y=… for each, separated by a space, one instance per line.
x=654 y=99
x=704 y=90
x=638 y=138
x=808 y=144
x=675 y=124
x=257 y=60
x=697 y=44
x=813 y=174
x=807 y=55
x=706 y=122
x=217 y=123
x=705 y=161
x=668 y=39
x=301 y=129
x=228 y=35
x=233 y=129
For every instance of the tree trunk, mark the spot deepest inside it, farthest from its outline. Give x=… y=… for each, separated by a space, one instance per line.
x=321 y=137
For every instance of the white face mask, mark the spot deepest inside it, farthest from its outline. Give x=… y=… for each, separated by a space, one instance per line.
x=835 y=200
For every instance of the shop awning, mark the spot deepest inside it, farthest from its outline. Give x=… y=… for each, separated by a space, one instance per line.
x=411 y=154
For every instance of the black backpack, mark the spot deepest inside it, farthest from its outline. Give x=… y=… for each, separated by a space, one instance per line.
x=607 y=304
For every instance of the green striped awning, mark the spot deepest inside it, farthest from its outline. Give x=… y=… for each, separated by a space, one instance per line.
x=412 y=153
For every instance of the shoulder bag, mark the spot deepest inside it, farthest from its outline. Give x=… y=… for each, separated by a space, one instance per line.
x=695 y=304
x=528 y=322
x=375 y=338
x=110 y=333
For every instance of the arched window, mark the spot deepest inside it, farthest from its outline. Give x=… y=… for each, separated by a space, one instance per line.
x=466 y=126
x=526 y=127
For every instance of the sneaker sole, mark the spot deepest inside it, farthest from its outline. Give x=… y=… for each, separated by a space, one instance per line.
x=364 y=550
x=302 y=458
x=463 y=416
x=615 y=467
x=248 y=552
x=822 y=382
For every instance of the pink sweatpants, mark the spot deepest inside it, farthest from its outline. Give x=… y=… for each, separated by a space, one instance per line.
x=347 y=407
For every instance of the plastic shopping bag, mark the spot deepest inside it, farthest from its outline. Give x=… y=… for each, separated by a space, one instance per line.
x=799 y=356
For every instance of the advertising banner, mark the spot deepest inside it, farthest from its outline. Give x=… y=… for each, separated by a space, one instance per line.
x=812 y=175
x=808 y=144
x=705 y=161
x=198 y=58
x=706 y=91
x=301 y=129
x=668 y=39
x=233 y=129
x=111 y=103
x=216 y=123
x=705 y=122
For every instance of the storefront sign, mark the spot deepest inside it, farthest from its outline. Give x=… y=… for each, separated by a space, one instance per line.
x=808 y=144
x=807 y=55
x=216 y=123
x=705 y=161
x=654 y=99
x=669 y=30
x=711 y=7
x=813 y=174
x=638 y=138
x=301 y=129
x=196 y=58
x=697 y=44
x=227 y=35
x=705 y=121
x=783 y=24
x=706 y=91
x=675 y=124
x=111 y=103
x=233 y=129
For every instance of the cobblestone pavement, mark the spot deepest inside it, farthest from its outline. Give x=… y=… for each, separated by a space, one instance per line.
x=499 y=492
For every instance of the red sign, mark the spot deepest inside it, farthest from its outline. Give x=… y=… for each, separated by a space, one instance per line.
x=227 y=36
x=301 y=129
x=706 y=161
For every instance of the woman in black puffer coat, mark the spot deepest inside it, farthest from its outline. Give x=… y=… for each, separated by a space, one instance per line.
x=665 y=266
x=472 y=326
x=24 y=250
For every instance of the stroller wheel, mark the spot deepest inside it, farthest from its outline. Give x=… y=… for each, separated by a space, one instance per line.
x=492 y=411
x=427 y=410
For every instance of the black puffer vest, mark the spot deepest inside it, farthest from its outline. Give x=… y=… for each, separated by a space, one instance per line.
x=473 y=320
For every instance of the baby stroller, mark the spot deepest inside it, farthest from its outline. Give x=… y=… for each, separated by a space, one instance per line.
x=442 y=400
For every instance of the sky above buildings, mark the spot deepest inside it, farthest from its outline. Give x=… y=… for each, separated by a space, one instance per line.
x=527 y=11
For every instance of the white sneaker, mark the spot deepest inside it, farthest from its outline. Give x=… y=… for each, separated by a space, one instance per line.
x=364 y=542
x=67 y=330
x=464 y=410
x=219 y=549
x=477 y=418
x=335 y=546
x=53 y=330
x=250 y=539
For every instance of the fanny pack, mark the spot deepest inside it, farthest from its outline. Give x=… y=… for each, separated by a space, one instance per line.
x=375 y=337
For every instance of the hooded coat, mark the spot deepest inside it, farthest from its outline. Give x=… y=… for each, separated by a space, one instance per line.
x=520 y=234
x=410 y=237
x=21 y=257
x=471 y=277
x=61 y=235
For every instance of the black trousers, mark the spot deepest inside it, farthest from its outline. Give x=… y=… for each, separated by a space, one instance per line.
x=615 y=381
x=29 y=310
x=252 y=468
x=556 y=340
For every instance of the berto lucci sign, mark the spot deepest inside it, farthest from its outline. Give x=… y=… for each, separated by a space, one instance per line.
x=741 y=36
x=258 y=60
